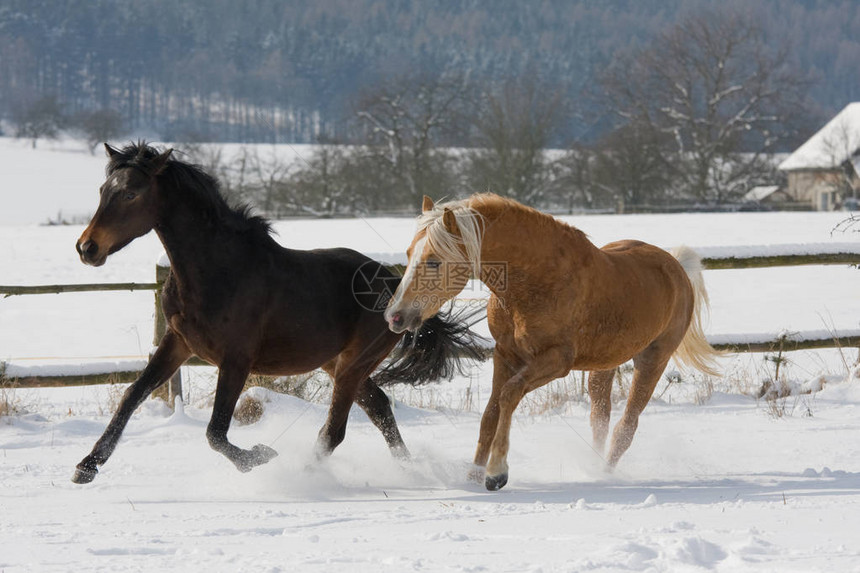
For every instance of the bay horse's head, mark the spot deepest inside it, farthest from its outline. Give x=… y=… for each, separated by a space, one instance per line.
x=128 y=203
x=445 y=253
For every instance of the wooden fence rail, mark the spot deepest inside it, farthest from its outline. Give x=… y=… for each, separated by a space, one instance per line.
x=798 y=341
x=8 y=291
x=850 y=255
x=793 y=260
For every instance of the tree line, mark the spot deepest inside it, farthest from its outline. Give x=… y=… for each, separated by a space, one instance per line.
x=289 y=70
x=694 y=118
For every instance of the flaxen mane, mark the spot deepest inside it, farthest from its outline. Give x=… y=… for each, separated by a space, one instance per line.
x=447 y=244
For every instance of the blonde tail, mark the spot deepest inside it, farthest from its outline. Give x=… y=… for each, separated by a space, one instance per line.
x=695 y=351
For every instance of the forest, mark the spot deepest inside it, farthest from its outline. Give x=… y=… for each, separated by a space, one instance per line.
x=289 y=70
x=402 y=80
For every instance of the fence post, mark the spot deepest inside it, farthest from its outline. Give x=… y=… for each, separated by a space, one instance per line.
x=173 y=388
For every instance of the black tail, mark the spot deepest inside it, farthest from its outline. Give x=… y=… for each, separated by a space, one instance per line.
x=437 y=351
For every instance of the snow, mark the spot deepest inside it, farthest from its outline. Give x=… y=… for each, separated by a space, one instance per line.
x=831 y=145
x=770 y=336
x=761 y=192
x=65 y=368
x=61 y=178
x=715 y=480
x=749 y=251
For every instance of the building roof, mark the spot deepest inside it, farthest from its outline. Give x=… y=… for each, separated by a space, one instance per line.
x=831 y=145
x=761 y=192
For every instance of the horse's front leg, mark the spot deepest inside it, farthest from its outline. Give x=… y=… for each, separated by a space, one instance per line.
x=350 y=372
x=334 y=430
x=169 y=356
x=546 y=366
x=503 y=368
x=231 y=380
x=600 y=393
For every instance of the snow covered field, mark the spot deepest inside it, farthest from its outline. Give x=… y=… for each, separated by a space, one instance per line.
x=715 y=480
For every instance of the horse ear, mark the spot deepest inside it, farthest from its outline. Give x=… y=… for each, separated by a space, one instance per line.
x=450 y=220
x=160 y=162
x=110 y=150
x=427 y=204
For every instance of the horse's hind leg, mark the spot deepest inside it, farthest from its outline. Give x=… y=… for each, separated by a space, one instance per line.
x=600 y=393
x=646 y=374
x=377 y=406
x=231 y=380
x=169 y=356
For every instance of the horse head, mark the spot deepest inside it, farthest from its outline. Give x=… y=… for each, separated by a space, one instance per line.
x=127 y=205
x=443 y=256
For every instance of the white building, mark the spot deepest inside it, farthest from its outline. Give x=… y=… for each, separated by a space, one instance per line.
x=824 y=170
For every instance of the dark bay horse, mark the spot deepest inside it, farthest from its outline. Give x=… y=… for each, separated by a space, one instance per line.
x=242 y=302
x=558 y=304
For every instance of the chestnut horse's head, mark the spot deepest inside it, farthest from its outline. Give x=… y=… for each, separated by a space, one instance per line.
x=128 y=204
x=445 y=253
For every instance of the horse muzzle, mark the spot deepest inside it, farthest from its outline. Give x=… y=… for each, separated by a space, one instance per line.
x=90 y=253
x=400 y=322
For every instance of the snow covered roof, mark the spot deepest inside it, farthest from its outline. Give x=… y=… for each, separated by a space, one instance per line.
x=760 y=192
x=831 y=145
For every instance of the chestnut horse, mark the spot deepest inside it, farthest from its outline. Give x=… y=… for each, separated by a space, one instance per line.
x=240 y=301
x=558 y=304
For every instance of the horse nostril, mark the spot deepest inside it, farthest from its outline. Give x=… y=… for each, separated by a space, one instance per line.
x=87 y=248
x=397 y=319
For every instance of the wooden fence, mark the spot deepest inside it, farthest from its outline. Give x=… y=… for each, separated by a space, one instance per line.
x=850 y=255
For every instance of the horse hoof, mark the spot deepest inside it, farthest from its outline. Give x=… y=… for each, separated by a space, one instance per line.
x=495 y=483
x=262 y=454
x=84 y=475
x=256 y=456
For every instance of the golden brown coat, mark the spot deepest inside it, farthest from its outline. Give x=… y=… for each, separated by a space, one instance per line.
x=562 y=304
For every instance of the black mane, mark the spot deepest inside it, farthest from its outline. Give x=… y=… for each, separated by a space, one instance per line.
x=190 y=179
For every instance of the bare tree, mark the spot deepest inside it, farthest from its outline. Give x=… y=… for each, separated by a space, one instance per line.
x=713 y=85
x=41 y=119
x=573 y=182
x=514 y=128
x=630 y=167
x=232 y=173
x=268 y=186
x=334 y=181
x=407 y=121
x=99 y=126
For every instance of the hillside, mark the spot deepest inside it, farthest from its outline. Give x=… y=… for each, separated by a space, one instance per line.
x=287 y=71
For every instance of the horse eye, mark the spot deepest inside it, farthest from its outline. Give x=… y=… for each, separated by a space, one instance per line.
x=434 y=265
x=129 y=195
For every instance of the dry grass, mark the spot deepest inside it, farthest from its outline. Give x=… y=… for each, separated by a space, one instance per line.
x=115 y=392
x=556 y=395
x=249 y=410
x=11 y=403
x=312 y=387
x=430 y=398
